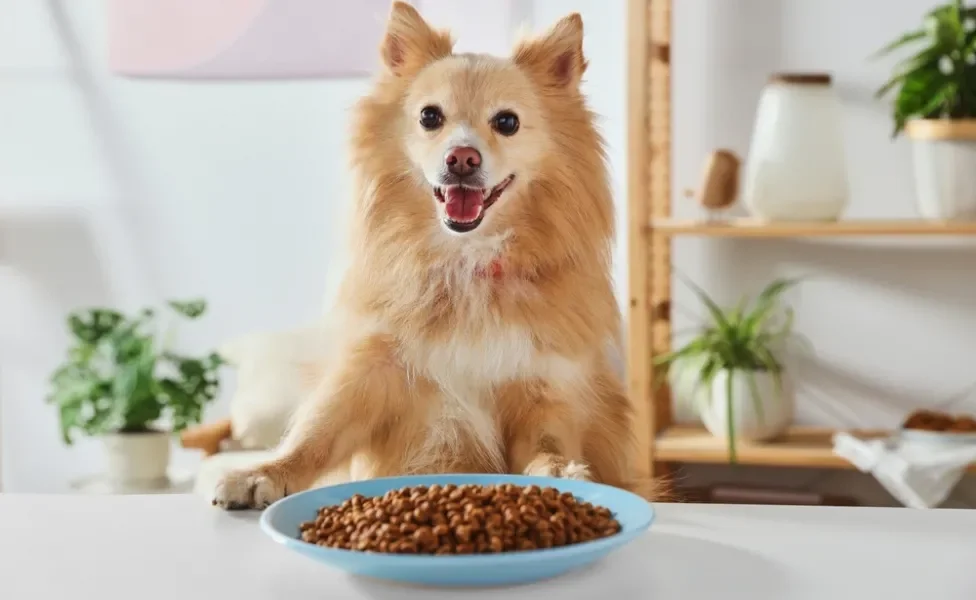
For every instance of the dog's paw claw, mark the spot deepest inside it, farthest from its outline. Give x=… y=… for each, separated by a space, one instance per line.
x=548 y=466
x=575 y=470
x=247 y=490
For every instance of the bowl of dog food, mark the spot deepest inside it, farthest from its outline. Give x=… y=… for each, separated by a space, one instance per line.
x=938 y=428
x=459 y=530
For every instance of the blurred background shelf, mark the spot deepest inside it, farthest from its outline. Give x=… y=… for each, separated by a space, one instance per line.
x=752 y=228
x=798 y=447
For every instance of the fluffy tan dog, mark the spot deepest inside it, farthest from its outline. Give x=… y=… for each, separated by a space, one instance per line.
x=477 y=319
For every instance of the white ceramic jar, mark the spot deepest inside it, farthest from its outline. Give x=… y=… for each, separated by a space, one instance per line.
x=797 y=169
x=945 y=167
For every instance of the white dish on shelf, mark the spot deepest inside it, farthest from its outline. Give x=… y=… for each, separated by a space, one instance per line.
x=937 y=438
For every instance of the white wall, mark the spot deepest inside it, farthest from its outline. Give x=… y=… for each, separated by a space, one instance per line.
x=163 y=189
x=128 y=192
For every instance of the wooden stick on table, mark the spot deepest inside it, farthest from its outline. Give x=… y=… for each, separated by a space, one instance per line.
x=207 y=437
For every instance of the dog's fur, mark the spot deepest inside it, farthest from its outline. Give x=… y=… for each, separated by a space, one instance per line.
x=486 y=351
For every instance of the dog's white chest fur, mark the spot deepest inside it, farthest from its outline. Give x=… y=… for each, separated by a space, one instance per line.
x=466 y=371
x=498 y=356
x=459 y=422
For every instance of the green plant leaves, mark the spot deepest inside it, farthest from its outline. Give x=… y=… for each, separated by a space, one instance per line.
x=198 y=382
x=135 y=390
x=742 y=340
x=766 y=304
x=73 y=384
x=939 y=80
x=116 y=377
x=927 y=95
x=901 y=42
x=713 y=309
x=92 y=325
x=730 y=421
x=943 y=26
x=190 y=309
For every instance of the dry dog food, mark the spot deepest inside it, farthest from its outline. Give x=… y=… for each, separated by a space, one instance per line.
x=930 y=420
x=464 y=519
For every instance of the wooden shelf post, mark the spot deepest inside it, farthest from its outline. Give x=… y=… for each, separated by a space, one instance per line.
x=649 y=198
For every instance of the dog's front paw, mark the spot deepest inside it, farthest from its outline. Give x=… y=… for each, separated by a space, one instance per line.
x=576 y=470
x=546 y=465
x=240 y=490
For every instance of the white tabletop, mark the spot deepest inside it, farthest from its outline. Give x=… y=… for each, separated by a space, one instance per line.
x=180 y=548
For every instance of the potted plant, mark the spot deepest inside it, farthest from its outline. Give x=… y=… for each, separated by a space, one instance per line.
x=121 y=381
x=731 y=369
x=935 y=106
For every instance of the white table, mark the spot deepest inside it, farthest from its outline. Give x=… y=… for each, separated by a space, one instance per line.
x=180 y=548
x=176 y=482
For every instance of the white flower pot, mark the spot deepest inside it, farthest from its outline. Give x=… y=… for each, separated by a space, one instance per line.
x=796 y=169
x=945 y=167
x=686 y=388
x=136 y=458
x=777 y=406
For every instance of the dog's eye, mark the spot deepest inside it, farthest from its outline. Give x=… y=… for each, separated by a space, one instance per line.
x=505 y=122
x=431 y=118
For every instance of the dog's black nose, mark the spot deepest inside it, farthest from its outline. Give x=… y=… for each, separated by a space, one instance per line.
x=463 y=161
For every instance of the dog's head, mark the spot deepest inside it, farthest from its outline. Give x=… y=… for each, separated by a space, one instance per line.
x=482 y=145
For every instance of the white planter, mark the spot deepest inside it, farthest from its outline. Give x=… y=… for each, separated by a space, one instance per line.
x=797 y=169
x=686 y=388
x=777 y=406
x=136 y=458
x=945 y=168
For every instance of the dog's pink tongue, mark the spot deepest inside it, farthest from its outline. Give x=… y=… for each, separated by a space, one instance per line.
x=463 y=204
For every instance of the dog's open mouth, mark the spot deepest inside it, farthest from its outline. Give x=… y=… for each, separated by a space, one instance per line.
x=465 y=207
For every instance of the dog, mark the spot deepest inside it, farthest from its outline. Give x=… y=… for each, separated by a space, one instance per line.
x=476 y=324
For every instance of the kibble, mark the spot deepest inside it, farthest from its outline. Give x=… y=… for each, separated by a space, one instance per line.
x=930 y=420
x=467 y=519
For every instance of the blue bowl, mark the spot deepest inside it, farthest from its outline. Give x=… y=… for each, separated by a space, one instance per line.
x=282 y=519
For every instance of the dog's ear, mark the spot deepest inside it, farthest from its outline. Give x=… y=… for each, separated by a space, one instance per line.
x=410 y=43
x=557 y=55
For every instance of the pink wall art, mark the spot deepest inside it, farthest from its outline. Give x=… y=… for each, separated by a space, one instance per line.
x=245 y=39
x=284 y=39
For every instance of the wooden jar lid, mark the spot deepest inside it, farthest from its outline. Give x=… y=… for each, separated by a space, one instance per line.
x=941 y=129
x=801 y=78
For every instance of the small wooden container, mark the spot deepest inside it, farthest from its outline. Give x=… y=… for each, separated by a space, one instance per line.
x=719 y=187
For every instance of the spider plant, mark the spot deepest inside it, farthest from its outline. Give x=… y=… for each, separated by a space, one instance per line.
x=938 y=81
x=743 y=339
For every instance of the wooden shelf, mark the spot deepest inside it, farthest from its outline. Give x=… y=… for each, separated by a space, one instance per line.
x=651 y=232
x=798 y=447
x=751 y=228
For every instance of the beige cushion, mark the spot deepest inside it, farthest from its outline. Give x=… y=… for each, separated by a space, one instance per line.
x=270 y=381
